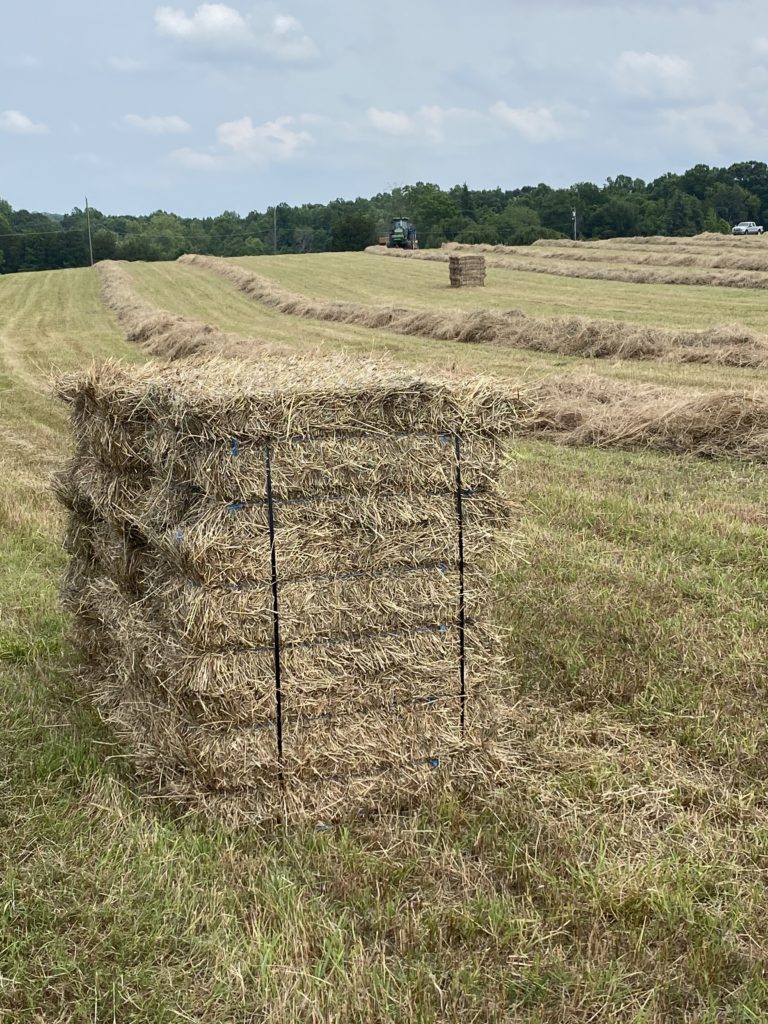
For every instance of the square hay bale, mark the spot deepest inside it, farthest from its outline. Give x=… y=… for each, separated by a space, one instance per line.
x=467 y=271
x=281 y=576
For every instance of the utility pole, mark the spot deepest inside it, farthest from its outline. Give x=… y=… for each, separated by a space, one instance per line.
x=573 y=215
x=88 y=221
x=274 y=230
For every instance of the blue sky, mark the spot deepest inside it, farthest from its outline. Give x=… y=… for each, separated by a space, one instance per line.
x=198 y=108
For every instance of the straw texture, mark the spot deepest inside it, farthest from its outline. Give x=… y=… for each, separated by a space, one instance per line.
x=467 y=271
x=569 y=409
x=205 y=497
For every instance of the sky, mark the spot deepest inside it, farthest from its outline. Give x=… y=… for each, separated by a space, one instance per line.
x=199 y=108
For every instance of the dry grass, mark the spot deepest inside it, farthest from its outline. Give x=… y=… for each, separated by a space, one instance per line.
x=467 y=271
x=616 y=874
x=160 y=333
x=163 y=557
x=593 y=339
x=542 y=261
x=703 y=241
x=356 y=277
x=640 y=256
x=573 y=410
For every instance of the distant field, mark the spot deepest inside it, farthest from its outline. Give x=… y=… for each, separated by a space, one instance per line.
x=619 y=872
x=409 y=282
x=705 y=260
x=196 y=293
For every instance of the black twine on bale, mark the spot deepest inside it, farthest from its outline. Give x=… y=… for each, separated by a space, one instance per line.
x=275 y=613
x=462 y=604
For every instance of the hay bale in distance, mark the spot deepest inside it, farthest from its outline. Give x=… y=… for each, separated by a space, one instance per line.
x=467 y=271
x=284 y=611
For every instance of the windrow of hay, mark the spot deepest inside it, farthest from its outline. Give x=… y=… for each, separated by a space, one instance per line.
x=727 y=345
x=160 y=333
x=641 y=256
x=467 y=271
x=704 y=240
x=281 y=573
x=570 y=410
x=599 y=412
x=538 y=262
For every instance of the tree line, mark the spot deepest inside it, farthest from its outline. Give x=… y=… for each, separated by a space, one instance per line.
x=701 y=199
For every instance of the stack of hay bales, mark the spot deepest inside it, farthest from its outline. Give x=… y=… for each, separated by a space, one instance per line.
x=467 y=271
x=280 y=573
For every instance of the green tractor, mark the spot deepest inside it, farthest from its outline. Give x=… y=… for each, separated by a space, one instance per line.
x=402 y=234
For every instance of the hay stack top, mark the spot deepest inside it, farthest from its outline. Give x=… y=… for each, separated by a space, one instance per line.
x=278 y=398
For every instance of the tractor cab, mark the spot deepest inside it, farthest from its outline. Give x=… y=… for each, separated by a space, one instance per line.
x=402 y=234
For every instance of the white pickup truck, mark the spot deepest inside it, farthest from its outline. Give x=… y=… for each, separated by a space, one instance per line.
x=748 y=227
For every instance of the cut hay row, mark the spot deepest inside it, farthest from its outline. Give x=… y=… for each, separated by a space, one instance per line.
x=547 y=264
x=686 y=247
x=727 y=345
x=574 y=410
x=630 y=257
x=599 y=412
x=706 y=239
x=161 y=333
x=315 y=653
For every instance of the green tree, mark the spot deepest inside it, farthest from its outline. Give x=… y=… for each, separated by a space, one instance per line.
x=353 y=232
x=104 y=245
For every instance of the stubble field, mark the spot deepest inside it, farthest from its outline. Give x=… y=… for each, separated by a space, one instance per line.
x=618 y=874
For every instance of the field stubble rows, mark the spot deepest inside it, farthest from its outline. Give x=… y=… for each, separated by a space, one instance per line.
x=702 y=264
x=618 y=875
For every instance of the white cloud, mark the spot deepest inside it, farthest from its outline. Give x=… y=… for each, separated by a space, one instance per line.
x=711 y=127
x=393 y=122
x=649 y=75
x=224 y=29
x=126 y=65
x=18 y=123
x=286 y=23
x=158 y=125
x=287 y=39
x=273 y=140
x=428 y=121
x=209 y=23
x=243 y=141
x=195 y=159
x=435 y=120
x=538 y=124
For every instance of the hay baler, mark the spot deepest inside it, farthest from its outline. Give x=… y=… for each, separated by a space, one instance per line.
x=402 y=234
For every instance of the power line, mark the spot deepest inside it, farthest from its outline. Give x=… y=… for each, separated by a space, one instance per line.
x=34 y=234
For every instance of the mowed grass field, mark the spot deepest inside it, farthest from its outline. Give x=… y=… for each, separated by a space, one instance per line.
x=617 y=873
x=194 y=292
x=405 y=282
x=710 y=260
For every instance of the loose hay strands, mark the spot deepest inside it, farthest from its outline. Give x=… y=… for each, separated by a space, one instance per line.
x=165 y=334
x=725 y=344
x=216 y=401
x=572 y=410
x=542 y=262
x=605 y=413
x=568 y=409
x=631 y=257
x=703 y=241
x=731 y=345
